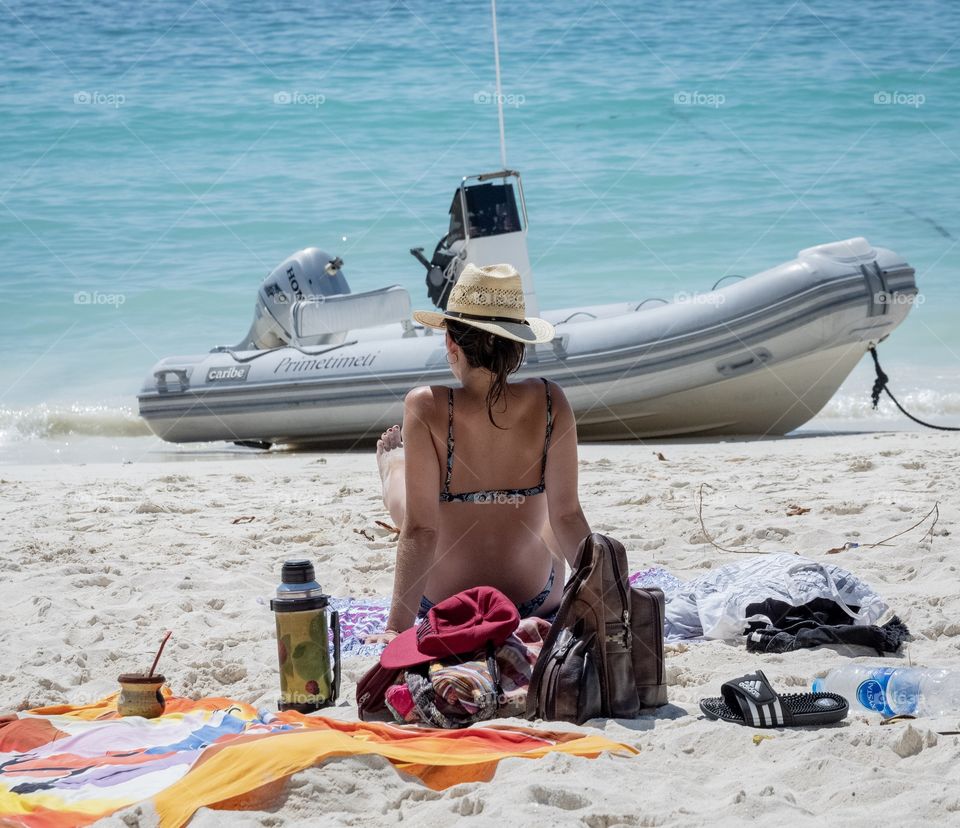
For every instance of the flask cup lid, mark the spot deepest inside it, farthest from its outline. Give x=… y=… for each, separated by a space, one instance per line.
x=297 y=582
x=297 y=572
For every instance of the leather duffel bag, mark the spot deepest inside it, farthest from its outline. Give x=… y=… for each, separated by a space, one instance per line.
x=603 y=656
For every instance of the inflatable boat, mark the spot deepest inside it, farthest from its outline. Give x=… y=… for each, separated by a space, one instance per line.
x=323 y=366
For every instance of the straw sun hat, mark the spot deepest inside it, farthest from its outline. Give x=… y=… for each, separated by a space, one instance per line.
x=490 y=298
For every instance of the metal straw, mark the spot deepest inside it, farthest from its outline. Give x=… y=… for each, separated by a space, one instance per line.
x=163 y=644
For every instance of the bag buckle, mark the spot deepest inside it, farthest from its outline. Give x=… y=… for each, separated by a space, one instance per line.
x=563 y=643
x=623 y=637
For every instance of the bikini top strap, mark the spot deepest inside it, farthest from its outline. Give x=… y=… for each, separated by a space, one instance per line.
x=446 y=483
x=549 y=433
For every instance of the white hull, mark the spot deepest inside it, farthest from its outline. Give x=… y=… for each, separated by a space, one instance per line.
x=761 y=356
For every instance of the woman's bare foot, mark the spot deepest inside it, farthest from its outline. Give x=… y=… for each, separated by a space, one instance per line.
x=390 y=462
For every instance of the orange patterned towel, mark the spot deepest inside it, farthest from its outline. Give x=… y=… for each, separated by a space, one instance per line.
x=66 y=766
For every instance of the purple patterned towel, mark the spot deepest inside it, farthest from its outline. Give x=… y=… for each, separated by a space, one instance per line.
x=359 y=617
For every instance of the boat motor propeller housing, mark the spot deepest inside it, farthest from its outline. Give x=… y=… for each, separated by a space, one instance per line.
x=307 y=274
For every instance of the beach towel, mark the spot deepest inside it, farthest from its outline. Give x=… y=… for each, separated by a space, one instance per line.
x=72 y=765
x=360 y=617
x=713 y=605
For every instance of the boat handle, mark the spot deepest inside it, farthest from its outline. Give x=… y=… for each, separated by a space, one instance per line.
x=161 y=378
x=744 y=362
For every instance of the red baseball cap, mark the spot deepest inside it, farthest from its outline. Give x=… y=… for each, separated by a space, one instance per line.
x=456 y=626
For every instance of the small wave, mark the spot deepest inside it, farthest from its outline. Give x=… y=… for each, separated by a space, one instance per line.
x=45 y=421
x=921 y=403
x=51 y=421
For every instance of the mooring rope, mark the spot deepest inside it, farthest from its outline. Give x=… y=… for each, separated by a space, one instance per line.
x=880 y=384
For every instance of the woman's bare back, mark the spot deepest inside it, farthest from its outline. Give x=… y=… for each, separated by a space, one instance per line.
x=512 y=541
x=497 y=541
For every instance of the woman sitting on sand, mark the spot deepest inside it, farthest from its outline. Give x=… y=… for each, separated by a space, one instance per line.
x=483 y=480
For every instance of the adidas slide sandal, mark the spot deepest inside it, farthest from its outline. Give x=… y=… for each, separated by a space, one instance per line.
x=750 y=700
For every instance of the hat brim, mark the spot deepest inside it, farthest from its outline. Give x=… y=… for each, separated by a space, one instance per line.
x=535 y=332
x=403 y=652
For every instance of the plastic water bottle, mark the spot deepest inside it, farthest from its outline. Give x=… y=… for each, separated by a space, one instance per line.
x=890 y=691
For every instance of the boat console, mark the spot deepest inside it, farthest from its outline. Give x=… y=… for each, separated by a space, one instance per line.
x=488 y=225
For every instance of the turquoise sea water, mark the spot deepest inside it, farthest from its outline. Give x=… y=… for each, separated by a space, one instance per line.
x=162 y=158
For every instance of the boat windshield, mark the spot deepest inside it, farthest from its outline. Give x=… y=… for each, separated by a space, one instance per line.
x=492 y=209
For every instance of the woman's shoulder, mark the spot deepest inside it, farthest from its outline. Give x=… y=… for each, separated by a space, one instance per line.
x=535 y=385
x=424 y=399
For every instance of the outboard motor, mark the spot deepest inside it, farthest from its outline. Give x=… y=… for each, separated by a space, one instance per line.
x=444 y=267
x=307 y=274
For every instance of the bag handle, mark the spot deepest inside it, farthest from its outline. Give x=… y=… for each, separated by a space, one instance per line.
x=834 y=592
x=570 y=589
x=335 y=623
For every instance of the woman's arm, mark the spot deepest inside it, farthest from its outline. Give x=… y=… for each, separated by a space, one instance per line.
x=563 y=501
x=418 y=535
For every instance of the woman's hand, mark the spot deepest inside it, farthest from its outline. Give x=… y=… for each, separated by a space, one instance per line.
x=381 y=638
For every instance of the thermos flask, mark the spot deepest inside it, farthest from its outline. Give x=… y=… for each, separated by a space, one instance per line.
x=307 y=681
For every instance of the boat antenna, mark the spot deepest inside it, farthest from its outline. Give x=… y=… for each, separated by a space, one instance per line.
x=496 y=60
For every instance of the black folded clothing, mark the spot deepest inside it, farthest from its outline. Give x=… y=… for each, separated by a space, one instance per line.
x=818 y=622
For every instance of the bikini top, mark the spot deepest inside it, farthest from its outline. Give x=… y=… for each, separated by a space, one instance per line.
x=494 y=495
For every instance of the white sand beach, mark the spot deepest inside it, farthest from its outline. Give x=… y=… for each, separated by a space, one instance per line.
x=100 y=559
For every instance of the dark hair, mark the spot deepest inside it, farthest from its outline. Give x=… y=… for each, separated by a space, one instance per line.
x=499 y=355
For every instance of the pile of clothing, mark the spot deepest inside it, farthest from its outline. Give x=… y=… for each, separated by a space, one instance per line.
x=468 y=660
x=460 y=691
x=782 y=602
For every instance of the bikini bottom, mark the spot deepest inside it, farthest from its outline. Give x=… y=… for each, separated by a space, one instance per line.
x=525 y=609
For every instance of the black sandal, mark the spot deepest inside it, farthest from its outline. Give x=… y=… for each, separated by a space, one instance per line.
x=750 y=700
